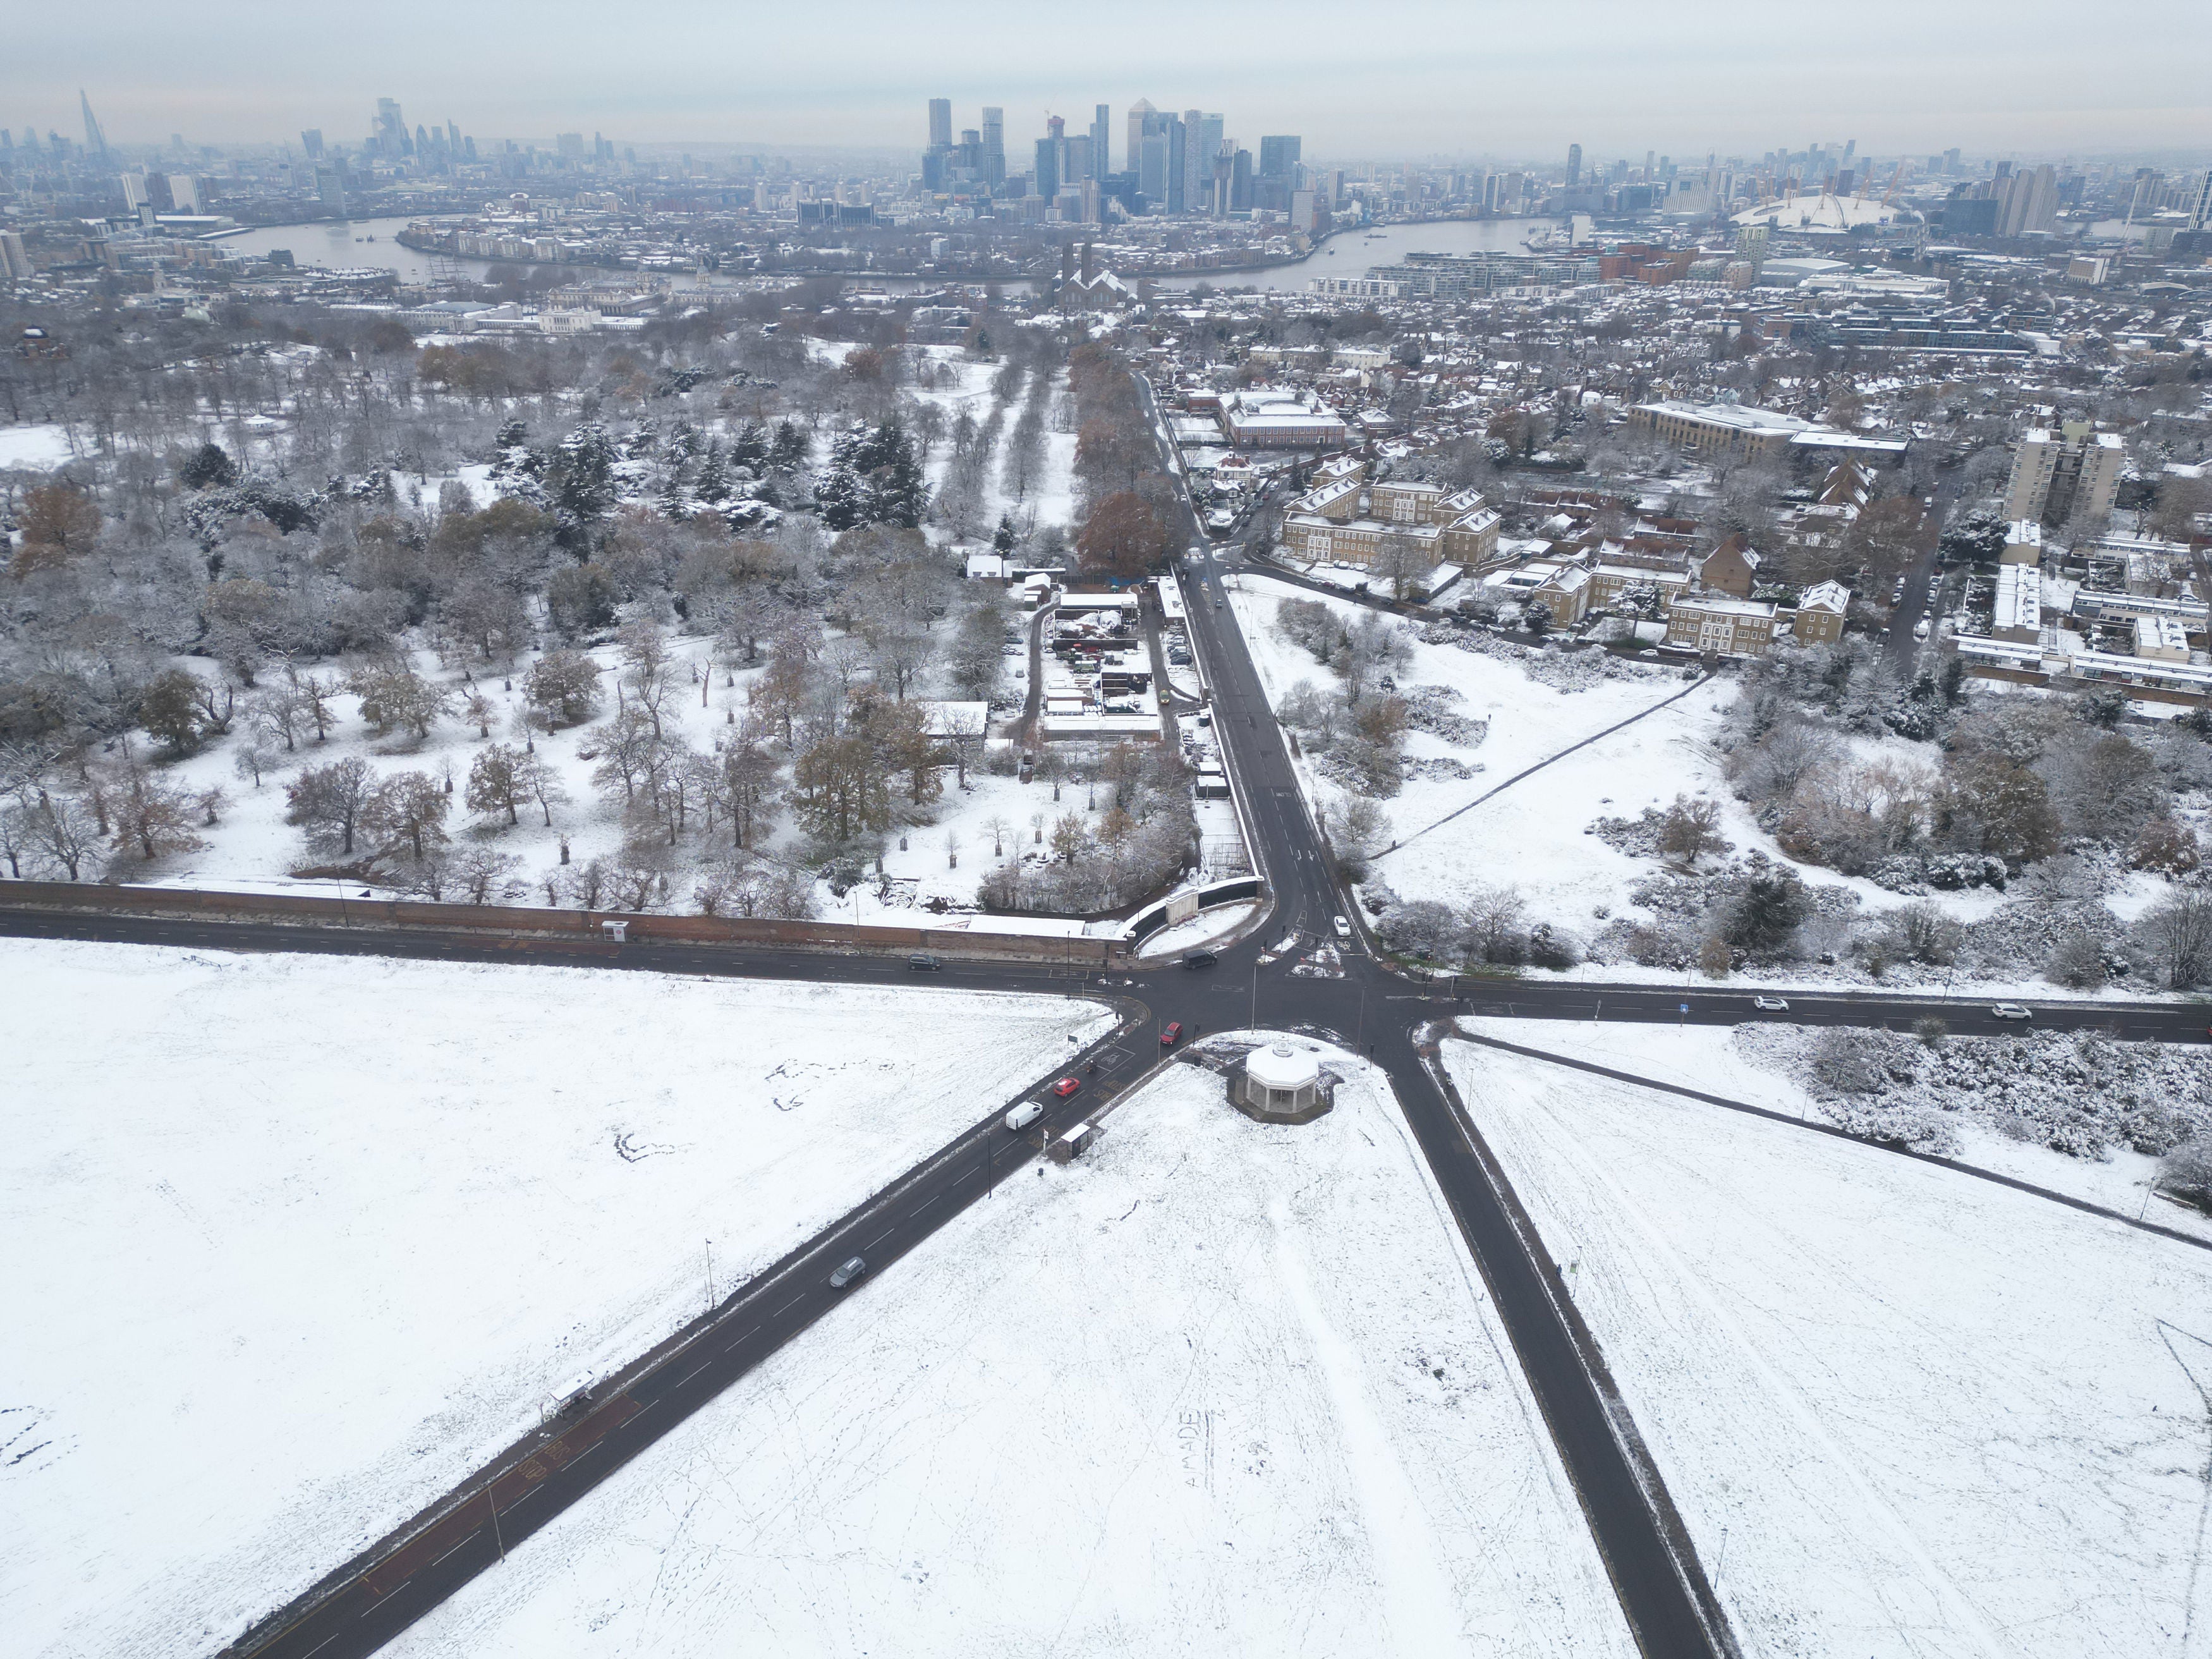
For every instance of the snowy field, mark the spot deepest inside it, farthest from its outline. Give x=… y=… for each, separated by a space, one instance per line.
x=1709 y=1058
x=33 y=448
x=1150 y=1402
x=1531 y=834
x=951 y=844
x=297 y=1240
x=1933 y=1417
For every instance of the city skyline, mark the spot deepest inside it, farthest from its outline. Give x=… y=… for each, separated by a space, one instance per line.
x=1996 y=82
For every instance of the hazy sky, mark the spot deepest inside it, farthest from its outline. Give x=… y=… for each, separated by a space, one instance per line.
x=1401 y=78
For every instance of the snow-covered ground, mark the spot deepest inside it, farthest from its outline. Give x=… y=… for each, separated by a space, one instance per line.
x=250 y=849
x=1215 y=1388
x=1531 y=834
x=1934 y=1416
x=33 y=448
x=295 y=1241
x=1050 y=498
x=1711 y=1059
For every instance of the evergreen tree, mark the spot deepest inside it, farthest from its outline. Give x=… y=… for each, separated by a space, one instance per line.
x=791 y=449
x=1002 y=539
x=713 y=484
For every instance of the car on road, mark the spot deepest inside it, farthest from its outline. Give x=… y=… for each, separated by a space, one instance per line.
x=922 y=963
x=1199 y=959
x=847 y=1273
x=1770 y=1004
x=1066 y=1086
x=1171 y=1033
x=1343 y=927
x=2012 y=1011
x=1022 y=1115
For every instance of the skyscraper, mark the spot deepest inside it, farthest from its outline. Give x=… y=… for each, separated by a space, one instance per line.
x=1102 y=141
x=332 y=192
x=390 y=130
x=2200 y=201
x=312 y=142
x=1201 y=142
x=95 y=141
x=1279 y=157
x=1140 y=116
x=1048 y=157
x=1574 y=165
x=941 y=123
x=993 y=162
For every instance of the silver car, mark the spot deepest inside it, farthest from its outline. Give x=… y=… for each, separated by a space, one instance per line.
x=847 y=1273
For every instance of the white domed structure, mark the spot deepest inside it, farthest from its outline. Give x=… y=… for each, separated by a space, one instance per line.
x=1282 y=1083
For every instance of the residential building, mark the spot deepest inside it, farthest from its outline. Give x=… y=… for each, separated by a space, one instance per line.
x=1343 y=520
x=2019 y=611
x=1732 y=567
x=1727 y=627
x=2071 y=473
x=1820 y=612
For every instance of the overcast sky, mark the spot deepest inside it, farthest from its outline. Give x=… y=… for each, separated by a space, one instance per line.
x=1383 y=79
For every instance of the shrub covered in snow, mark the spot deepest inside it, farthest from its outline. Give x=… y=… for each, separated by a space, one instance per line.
x=2075 y=1093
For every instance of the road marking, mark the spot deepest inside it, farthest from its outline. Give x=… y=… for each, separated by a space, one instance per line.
x=927 y=1202
x=736 y=1339
x=387 y=1596
x=320 y=1645
x=789 y=1305
x=693 y=1372
x=470 y=1539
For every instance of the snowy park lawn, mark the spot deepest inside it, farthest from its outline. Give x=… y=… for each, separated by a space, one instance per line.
x=33 y=448
x=293 y=1242
x=252 y=848
x=1532 y=835
x=1933 y=1415
x=1711 y=1060
x=1214 y=1388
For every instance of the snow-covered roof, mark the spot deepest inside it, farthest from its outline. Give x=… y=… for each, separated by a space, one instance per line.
x=1280 y=1065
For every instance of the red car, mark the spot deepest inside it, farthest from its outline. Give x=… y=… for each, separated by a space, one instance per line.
x=1065 y=1086
x=1171 y=1033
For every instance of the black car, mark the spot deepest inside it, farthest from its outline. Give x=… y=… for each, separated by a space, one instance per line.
x=1199 y=959
x=922 y=962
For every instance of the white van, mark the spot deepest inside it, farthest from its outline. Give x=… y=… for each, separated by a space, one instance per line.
x=1024 y=1114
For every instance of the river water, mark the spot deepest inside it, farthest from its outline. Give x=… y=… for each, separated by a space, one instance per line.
x=1348 y=253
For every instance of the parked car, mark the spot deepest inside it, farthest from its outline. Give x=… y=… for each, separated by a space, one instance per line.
x=1199 y=959
x=1024 y=1114
x=922 y=963
x=2012 y=1011
x=1171 y=1033
x=1770 y=1004
x=1066 y=1086
x=847 y=1273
